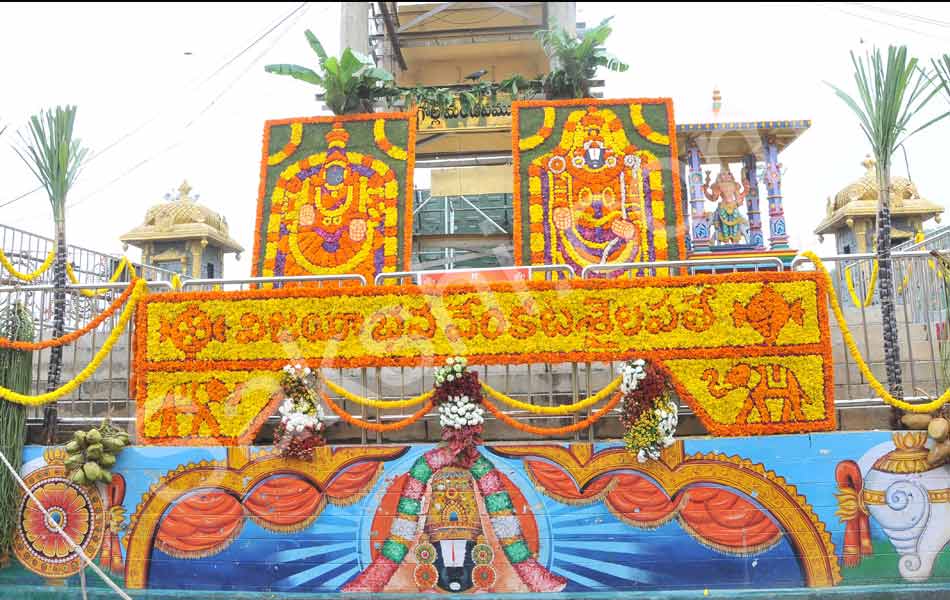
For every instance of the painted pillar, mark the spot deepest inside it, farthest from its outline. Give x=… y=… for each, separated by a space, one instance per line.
x=778 y=237
x=752 y=202
x=699 y=228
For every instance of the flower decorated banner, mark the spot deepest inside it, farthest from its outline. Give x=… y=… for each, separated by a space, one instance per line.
x=750 y=352
x=335 y=195
x=596 y=182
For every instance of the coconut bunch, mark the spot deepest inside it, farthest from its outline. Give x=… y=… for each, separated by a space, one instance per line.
x=91 y=454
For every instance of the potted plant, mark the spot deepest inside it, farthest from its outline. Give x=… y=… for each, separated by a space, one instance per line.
x=575 y=60
x=351 y=83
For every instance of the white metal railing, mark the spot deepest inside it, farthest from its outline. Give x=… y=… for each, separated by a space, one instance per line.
x=415 y=277
x=107 y=393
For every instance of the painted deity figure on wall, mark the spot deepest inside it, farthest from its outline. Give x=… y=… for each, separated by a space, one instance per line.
x=729 y=224
x=333 y=212
x=592 y=196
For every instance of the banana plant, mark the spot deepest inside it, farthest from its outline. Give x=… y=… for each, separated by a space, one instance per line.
x=575 y=60
x=351 y=83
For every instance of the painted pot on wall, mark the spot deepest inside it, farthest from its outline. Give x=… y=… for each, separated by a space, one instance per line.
x=910 y=500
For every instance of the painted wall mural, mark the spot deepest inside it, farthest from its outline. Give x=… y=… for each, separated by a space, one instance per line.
x=596 y=182
x=783 y=511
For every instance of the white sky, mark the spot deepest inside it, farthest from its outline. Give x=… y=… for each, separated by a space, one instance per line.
x=125 y=67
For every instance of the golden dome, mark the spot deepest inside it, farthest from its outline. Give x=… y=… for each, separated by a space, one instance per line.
x=183 y=218
x=866 y=188
x=183 y=210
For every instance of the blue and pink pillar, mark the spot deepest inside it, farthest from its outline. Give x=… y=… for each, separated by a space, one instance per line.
x=699 y=228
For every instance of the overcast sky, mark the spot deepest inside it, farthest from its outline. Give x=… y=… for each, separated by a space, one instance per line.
x=200 y=116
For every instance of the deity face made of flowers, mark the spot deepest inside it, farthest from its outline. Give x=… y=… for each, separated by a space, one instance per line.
x=727 y=220
x=333 y=212
x=587 y=195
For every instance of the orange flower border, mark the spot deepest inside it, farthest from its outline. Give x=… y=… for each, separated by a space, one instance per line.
x=406 y=249
x=73 y=335
x=516 y=106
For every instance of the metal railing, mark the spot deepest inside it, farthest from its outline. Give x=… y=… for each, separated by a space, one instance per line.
x=546 y=384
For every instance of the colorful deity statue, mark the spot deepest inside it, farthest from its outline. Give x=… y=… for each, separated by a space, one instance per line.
x=729 y=224
x=595 y=198
x=333 y=212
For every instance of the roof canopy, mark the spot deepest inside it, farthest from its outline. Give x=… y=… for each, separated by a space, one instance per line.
x=731 y=141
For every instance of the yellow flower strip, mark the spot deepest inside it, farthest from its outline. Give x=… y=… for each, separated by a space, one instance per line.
x=553 y=410
x=123 y=264
x=854 y=295
x=27 y=276
x=12 y=396
x=533 y=141
x=340 y=391
x=859 y=360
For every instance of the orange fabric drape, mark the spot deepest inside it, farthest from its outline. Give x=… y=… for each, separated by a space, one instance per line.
x=350 y=486
x=639 y=502
x=111 y=555
x=857 y=532
x=285 y=504
x=200 y=525
x=561 y=486
x=727 y=522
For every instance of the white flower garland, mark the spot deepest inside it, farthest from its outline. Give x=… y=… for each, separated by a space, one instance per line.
x=460 y=412
x=297 y=415
x=632 y=373
x=668 y=414
x=454 y=367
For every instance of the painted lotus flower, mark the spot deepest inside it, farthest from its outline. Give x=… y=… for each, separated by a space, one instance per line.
x=68 y=507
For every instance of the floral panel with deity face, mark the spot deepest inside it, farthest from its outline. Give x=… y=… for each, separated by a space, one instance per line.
x=596 y=182
x=336 y=196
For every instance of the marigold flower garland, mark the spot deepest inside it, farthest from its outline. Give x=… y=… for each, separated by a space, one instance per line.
x=124 y=264
x=73 y=335
x=12 y=396
x=301 y=426
x=47 y=263
x=859 y=360
x=564 y=409
x=498 y=414
x=647 y=413
x=376 y=426
x=343 y=392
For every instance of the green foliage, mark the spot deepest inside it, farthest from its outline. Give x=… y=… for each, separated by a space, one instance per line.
x=576 y=60
x=51 y=153
x=351 y=83
x=15 y=373
x=890 y=96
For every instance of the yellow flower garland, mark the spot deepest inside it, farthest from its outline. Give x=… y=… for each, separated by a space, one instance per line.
x=859 y=360
x=854 y=295
x=553 y=410
x=8 y=394
x=339 y=391
x=27 y=276
x=123 y=265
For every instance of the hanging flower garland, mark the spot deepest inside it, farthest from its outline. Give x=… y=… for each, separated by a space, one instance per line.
x=647 y=412
x=301 y=426
x=458 y=397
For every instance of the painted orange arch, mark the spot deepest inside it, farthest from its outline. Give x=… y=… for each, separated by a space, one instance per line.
x=675 y=471
x=237 y=475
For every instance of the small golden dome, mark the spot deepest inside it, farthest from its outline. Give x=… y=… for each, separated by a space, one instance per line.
x=183 y=210
x=867 y=189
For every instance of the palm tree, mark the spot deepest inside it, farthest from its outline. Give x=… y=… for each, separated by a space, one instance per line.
x=55 y=159
x=890 y=96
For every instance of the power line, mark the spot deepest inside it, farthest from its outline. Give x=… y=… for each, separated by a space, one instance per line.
x=188 y=125
x=905 y=15
x=880 y=22
x=164 y=110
